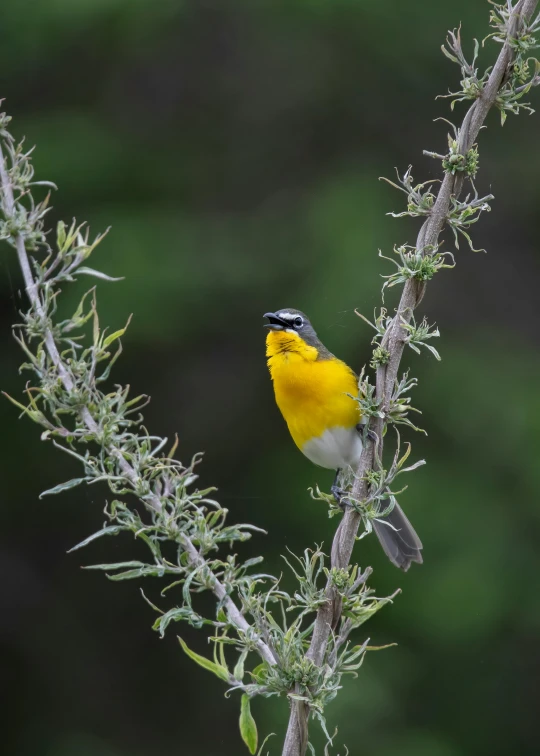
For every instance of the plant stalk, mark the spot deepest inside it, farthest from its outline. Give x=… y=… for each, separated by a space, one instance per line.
x=328 y=616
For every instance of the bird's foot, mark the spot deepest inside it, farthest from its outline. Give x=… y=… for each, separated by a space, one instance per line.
x=340 y=496
x=370 y=434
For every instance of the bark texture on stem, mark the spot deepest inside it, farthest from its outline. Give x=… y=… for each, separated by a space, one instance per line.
x=395 y=341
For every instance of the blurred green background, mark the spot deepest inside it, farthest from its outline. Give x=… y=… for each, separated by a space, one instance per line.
x=234 y=148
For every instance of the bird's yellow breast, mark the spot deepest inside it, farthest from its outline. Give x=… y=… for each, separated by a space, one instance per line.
x=311 y=393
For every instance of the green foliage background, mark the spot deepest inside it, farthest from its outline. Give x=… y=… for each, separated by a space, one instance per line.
x=234 y=148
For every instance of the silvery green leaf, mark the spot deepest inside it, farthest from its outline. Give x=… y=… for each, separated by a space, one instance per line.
x=44 y=183
x=433 y=351
x=109 y=530
x=253 y=561
x=116 y=566
x=141 y=572
x=176 y=615
x=63 y=486
x=97 y=274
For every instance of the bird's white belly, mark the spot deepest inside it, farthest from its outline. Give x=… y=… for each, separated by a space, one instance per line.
x=336 y=448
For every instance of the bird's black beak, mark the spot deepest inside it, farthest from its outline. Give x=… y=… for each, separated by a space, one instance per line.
x=274 y=322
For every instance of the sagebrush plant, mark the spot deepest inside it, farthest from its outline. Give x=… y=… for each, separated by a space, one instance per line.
x=266 y=641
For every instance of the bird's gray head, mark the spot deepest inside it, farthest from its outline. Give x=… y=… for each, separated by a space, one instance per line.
x=293 y=321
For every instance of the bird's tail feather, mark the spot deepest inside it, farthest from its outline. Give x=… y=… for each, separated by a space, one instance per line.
x=398 y=538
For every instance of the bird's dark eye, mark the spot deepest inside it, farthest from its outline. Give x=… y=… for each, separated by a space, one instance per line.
x=298 y=322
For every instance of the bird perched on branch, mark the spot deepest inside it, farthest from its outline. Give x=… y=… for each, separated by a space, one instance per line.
x=314 y=392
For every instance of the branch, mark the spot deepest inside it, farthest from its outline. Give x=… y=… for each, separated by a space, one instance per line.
x=394 y=341
x=152 y=500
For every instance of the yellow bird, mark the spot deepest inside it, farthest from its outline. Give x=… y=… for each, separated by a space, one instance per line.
x=311 y=388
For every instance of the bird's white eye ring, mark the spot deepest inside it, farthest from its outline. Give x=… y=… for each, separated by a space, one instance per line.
x=298 y=322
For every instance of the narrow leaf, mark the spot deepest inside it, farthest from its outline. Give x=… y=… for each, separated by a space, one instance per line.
x=26 y=410
x=238 y=672
x=205 y=663
x=248 y=728
x=260 y=753
x=61 y=234
x=116 y=335
x=449 y=55
x=110 y=530
x=97 y=274
x=132 y=574
x=63 y=487
x=117 y=566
